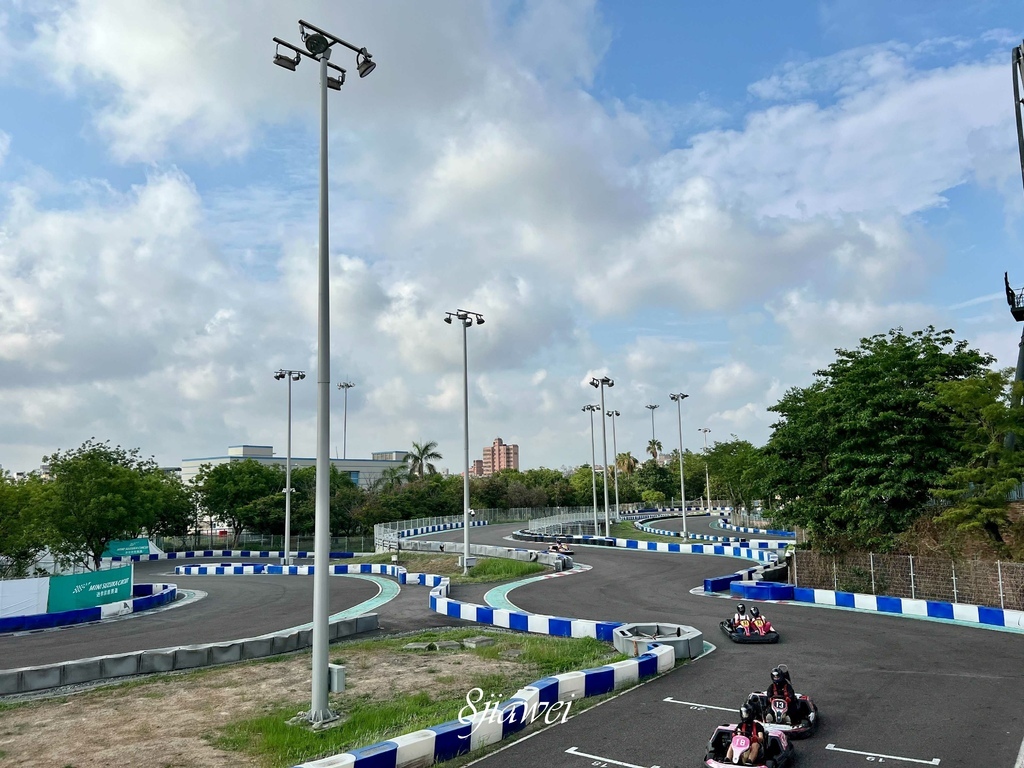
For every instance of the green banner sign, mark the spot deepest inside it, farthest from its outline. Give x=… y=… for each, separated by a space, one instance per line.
x=126 y=548
x=85 y=590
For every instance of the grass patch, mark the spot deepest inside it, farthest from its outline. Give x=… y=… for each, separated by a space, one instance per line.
x=627 y=531
x=272 y=742
x=487 y=569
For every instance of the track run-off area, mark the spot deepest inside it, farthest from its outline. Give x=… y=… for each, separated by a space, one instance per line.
x=889 y=689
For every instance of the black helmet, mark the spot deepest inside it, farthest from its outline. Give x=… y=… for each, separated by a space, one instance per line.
x=741 y=608
x=754 y=611
x=746 y=714
x=776 y=675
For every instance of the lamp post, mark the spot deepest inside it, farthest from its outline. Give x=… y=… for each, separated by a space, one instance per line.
x=707 y=480
x=601 y=383
x=652 y=408
x=593 y=459
x=615 y=460
x=318 y=48
x=285 y=373
x=466 y=319
x=678 y=398
x=346 y=386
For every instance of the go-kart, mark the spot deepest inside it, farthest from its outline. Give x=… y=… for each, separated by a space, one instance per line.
x=801 y=722
x=560 y=548
x=777 y=753
x=759 y=630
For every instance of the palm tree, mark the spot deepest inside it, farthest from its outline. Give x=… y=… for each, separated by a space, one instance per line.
x=654 y=447
x=627 y=463
x=420 y=456
x=391 y=478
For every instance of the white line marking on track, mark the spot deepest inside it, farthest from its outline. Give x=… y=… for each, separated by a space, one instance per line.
x=1020 y=756
x=695 y=705
x=574 y=751
x=834 y=748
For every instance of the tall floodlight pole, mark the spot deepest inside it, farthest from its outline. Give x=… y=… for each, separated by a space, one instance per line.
x=707 y=479
x=601 y=383
x=1016 y=299
x=318 y=48
x=652 y=408
x=291 y=376
x=346 y=386
x=678 y=398
x=593 y=460
x=466 y=319
x=615 y=461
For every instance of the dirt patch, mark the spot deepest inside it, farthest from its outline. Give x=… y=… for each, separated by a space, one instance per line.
x=168 y=721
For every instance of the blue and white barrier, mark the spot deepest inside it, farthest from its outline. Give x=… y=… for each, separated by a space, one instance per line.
x=197 y=553
x=753 y=543
x=762 y=531
x=403 y=534
x=551 y=696
x=144 y=597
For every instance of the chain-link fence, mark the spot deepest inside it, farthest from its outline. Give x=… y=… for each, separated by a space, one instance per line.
x=973 y=582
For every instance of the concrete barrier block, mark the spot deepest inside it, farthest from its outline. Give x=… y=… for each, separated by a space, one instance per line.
x=83 y=671
x=304 y=638
x=191 y=656
x=571 y=685
x=156 y=661
x=625 y=672
x=486 y=728
x=343 y=628
x=119 y=665
x=344 y=760
x=285 y=643
x=10 y=682
x=257 y=648
x=415 y=750
x=367 y=622
x=40 y=678
x=225 y=653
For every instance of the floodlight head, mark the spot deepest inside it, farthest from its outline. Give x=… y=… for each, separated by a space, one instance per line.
x=279 y=375
x=448 y=319
x=316 y=44
x=595 y=383
x=364 y=63
x=287 y=62
x=479 y=320
x=335 y=83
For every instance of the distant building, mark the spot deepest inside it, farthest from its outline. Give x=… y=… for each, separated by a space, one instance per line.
x=389 y=455
x=499 y=456
x=476 y=469
x=363 y=472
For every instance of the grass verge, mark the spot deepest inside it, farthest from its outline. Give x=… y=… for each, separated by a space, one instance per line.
x=368 y=718
x=487 y=569
x=627 y=531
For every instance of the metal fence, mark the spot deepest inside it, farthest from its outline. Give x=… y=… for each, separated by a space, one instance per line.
x=974 y=582
x=261 y=542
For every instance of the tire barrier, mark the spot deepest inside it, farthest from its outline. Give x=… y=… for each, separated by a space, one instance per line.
x=144 y=597
x=550 y=696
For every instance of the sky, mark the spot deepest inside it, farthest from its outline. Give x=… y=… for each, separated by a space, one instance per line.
x=679 y=196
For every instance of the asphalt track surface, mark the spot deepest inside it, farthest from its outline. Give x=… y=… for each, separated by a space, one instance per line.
x=900 y=691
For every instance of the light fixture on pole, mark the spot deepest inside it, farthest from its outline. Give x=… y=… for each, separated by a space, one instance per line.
x=601 y=383
x=678 y=400
x=291 y=376
x=318 y=44
x=652 y=408
x=615 y=460
x=466 y=319
x=345 y=385
x=593 y=459
x=707 y=478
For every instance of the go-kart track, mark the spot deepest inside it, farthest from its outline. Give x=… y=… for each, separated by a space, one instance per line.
x=889 y=689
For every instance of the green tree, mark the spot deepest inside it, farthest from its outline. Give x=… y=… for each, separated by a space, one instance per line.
x=230 y=492
x=654 y=448
x=97 y=494
x=22 y=537
x=652 y=477
x=855 y=455
x=627 y=463
x=421 y=456
x=983 y=411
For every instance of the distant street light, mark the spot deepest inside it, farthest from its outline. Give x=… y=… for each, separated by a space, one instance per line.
x=466 y=319
x=593 y=459
x=707 y=480
x=291 y=376
x=615 y=461
x=652 y=408
x=345 y=385
x=601 y=383
x=678 y=400
x=318 y=44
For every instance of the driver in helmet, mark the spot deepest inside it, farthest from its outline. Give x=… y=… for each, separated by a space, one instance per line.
x=760 y=622
x=754 y=731
x=781 y=688
x=739 y=616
